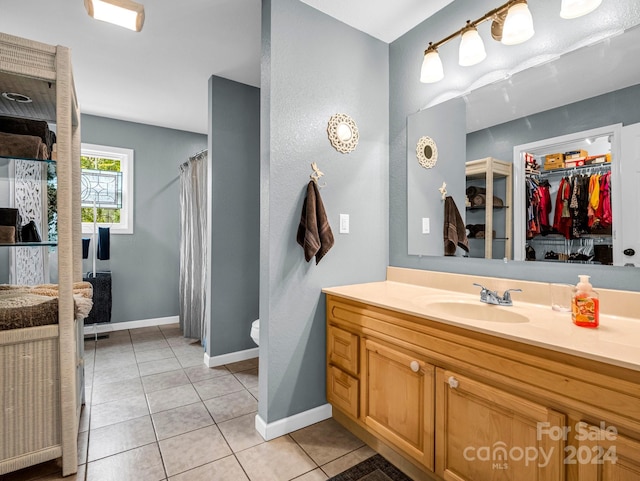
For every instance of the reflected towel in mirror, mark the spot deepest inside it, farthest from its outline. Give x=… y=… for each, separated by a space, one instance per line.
x=455 y=234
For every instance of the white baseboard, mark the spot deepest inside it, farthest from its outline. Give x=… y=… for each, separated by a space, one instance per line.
x=92 y=329
x=231 y=357
x=292 y=423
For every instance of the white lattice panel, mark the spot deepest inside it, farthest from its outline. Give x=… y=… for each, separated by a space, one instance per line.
x=30 y=197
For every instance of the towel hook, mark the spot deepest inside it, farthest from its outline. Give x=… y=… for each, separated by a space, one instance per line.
x=443 y=190
x=316 y=174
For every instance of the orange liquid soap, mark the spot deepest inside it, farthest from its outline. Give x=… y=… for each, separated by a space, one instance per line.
x=585 y=305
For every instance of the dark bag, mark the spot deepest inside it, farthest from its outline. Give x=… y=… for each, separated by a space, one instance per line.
x=30 y=233
x=11 y=217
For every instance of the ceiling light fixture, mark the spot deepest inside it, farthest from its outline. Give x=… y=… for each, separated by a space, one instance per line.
x=16 y=97
x=512 y=24
x=125 y=13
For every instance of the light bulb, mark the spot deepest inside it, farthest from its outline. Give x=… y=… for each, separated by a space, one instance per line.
x=432 y=70
x=577 y=8
x=518 y=26
x=124 y=13
x=471 y=48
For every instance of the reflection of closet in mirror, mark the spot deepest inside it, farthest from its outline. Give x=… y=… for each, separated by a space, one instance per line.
x=565 y=210
x=489 y=222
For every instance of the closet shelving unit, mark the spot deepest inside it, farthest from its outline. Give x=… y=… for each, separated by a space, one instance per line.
x=557 y=242
x=485 y=172
x=41 y=368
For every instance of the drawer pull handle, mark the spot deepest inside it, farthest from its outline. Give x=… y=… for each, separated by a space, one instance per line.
x=453 y=382
x=415 y=366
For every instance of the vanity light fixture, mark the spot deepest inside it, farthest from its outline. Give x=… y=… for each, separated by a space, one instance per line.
x=511 y=24
x=471 y=47
x=577 y=8
x=125 y=13
x=518 y=25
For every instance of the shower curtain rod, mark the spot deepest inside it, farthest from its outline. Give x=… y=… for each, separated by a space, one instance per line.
x=195 y=156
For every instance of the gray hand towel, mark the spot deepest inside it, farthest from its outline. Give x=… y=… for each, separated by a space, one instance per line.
x=455 y=234
x=314 y=232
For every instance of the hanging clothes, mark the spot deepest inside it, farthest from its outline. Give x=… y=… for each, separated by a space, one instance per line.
x=562 y=216
x=605 y=187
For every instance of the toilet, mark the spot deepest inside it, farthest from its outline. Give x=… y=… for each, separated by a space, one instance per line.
x=255 y=331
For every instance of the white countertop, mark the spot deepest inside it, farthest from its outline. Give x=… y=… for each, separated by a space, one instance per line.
x=616 y=341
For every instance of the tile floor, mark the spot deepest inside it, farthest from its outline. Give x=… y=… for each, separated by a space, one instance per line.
x=154 y=412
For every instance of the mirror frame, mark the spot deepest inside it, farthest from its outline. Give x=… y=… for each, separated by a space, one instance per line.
x=342 y=146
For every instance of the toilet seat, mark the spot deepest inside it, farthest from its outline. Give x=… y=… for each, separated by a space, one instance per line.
x=255 y=331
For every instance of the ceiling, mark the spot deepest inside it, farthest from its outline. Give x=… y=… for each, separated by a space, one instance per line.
x=159 y=76
x=384 y=19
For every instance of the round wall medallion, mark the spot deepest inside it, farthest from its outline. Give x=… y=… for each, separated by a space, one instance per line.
x=343 y=133
x=427 y=152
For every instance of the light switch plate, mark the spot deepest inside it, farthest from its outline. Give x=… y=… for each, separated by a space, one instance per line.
x=425 y=225
x=344 y=223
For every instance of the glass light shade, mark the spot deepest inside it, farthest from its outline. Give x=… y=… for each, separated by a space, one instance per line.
x=518 y=26
x=432 y=70
x=471 y=48
x=124 y=13
x=577 y=8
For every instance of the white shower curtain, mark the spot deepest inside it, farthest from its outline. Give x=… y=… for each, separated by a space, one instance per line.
x=193 y=248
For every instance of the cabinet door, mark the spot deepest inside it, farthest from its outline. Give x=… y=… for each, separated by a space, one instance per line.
x=397 y=399
x=604 y=455
x=483 y=433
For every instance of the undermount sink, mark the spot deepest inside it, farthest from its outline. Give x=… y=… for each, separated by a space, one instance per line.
x=476 y=311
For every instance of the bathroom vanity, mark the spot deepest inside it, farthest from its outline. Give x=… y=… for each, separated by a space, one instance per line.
x=450 y=388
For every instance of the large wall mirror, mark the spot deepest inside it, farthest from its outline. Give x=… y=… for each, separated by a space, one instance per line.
x=539 y=111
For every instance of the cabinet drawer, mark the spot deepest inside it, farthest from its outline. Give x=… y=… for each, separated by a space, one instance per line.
x=342 y=391
x=342 y=349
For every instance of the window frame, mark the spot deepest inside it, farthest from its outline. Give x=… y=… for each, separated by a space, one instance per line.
x=125 y=156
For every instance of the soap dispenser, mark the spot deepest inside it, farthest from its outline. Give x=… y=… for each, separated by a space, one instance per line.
x=585 y=304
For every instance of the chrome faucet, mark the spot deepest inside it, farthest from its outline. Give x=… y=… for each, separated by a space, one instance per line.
x=492 y=297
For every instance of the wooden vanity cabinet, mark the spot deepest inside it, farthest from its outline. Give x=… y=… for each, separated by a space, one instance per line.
x=343 y=385
x=397 y=399
x=446 y=403
x=482 y=431
x=605 y=455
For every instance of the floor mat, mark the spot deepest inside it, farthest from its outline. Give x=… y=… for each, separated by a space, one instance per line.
x=376 y=468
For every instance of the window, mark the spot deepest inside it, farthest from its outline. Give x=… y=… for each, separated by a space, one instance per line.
x=107 y=180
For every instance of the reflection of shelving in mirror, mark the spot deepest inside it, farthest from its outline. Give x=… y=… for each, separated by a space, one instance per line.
x=484 y=207
x=489 y=193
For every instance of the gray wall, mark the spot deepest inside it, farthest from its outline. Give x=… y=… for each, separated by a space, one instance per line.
x=234 y=161
x=145 y=264
x=621 y=106
x=407 y=95
x=425 y=199
x=313 y=67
